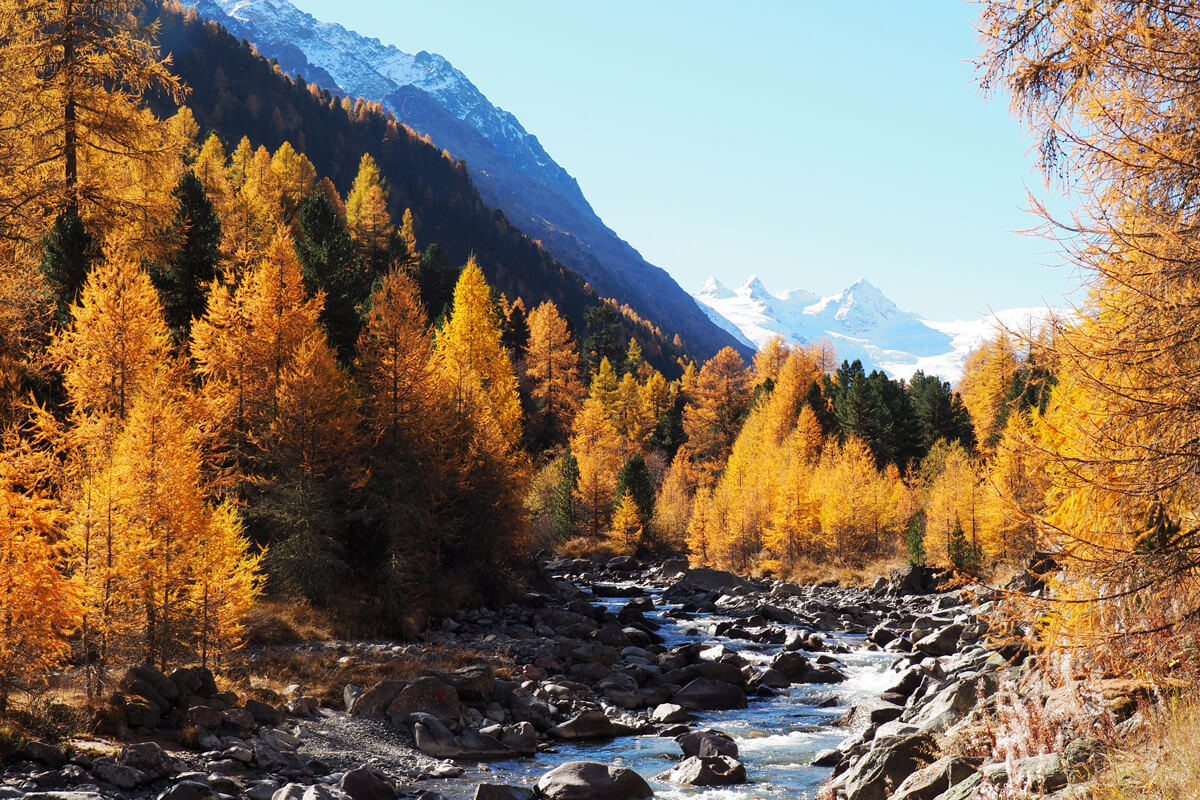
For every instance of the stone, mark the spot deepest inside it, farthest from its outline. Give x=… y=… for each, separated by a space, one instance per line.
x=707 y=771
x=830 y=757
x=496 y=791
x=942 y=642
x=239 y=720
x=43 y=753
x=205 y=717
x=791 y=665
x=934 y=779
x=120 y=776
x=720 y=671
x=319 y=791
x=889 y=761
x=148 y=757
x=966 y=790
x=263 y=713
x=163 y=686
x=585 y=725
x=350 y=693
x=475 y=684
x=188 y=790
x=476 y=744
x=521 y=737
x=375 y=701
x=290 y=791
x=707 y=743
x=433 y=738
x=587 y=780
x=363 y=784
x=912 y=579
x=263 y=790
x=944 y=709
x=667 y=713
x=709 y=695
x=428 y=695
x=1045 y=773
x=823 y=674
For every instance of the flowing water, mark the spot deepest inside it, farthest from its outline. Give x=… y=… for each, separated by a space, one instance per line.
x=777 y=737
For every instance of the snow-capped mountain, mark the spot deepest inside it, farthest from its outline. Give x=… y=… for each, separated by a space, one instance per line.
x=509 y=166
x=860 y=322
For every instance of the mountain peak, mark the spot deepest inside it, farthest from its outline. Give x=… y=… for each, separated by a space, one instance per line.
x=754 y=289
x=715 y=289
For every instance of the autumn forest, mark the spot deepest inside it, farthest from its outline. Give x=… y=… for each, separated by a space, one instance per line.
x=237 y=363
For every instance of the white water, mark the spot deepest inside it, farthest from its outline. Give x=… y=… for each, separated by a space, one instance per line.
x=777 y=737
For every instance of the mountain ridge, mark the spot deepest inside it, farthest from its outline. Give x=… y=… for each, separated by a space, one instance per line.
x=860 y=322
x=510 y=168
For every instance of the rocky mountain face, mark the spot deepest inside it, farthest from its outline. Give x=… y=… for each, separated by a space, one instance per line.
x=860 y=322
x=508 y=165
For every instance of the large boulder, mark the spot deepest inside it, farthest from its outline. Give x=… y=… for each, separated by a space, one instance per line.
x=714 y=580
x=890 y=760
x=709 y=695
x=941 y=642
x=587 y=780
x=433 y=738
x=364 y=784
x=498 y=791
x=427 y=695
x=375 y=701
x=707 y=743
x=150 y=758
x=585 y=725
x=475 y=684
x=792 y=666
x=930 y=781
x=706 y=771
x=912 y=579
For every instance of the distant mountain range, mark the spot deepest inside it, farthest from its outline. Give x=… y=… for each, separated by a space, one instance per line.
x=860 y=322
x=507 y=164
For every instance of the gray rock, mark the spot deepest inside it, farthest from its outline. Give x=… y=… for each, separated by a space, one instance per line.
x=586 y=780
x=707 y=743
x=375 y=701
x=263 y=713
x=942 y=642
x=791 y=665
x=363 y=784
x=118 y=775
x=319 y=791
x=43 y=753
x=476 y=744
x=934 y=779
x=966 y=790
x=708 y=694
x=707 y=771
x=886 y=764
x=188 y=790
x=522 y=737
x=941 y=711
x=585 y=725
x=263 y=790
x=668 y=713
x=1045 y=773
x=79 y=795
x=350 y=694
x=712 y=580
x=495 y=791
x=433 y=738
x=427 y=695
x=290 y=791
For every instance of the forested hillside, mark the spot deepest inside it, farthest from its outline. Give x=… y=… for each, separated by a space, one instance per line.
x=234 y=93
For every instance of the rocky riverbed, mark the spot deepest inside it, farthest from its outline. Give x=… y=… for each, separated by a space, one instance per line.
x=630 y=680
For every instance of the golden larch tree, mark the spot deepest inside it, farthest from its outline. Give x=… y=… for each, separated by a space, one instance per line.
x=596 y=445
x=552 y=367
x=471 y=356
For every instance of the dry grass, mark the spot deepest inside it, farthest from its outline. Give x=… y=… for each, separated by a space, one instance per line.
x=1162 y=761
x=586 y=547
x=324 y=675
x=854 y=573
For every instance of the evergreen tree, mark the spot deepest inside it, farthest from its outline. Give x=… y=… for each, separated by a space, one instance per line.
x=195 y=250
x=565 y=523
x=68 y=254
x=603 y=324
x=437 y=279
x=330 y=264
x=940 y=413
x=635 y=479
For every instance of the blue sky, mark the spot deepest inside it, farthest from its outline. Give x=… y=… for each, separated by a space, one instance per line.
x=811 y=143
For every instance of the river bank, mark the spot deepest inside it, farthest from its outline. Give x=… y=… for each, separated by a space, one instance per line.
x=888 y=692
